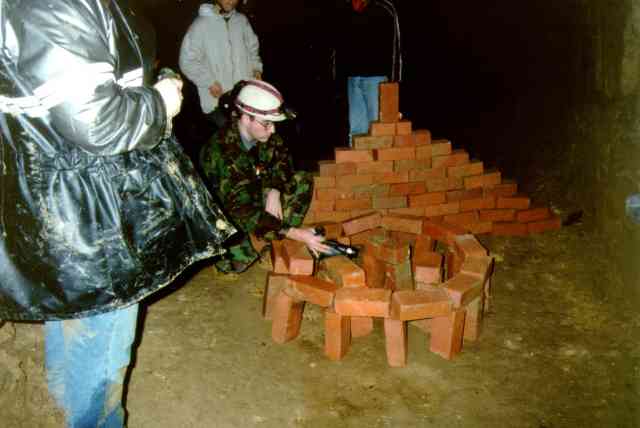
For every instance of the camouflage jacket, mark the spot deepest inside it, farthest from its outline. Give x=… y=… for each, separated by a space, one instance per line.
x=241 y=178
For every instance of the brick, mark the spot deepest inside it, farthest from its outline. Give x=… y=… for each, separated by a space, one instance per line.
x=423 y=325
x=454 y=262
x=409 y=305
x=367 y=142
x=396 y=153
x=327 y=168
x=412 y=211
x=278 y=263
x=424 y=243
x=398 y=276
x=379 y=167
x=463 y=288
x=363 y=302
x=440 y=147
x=404 y=189
x=345 y=168
x=374 y=270
x=350 y=155
x=462 y=219
x=312 y=290
x=297 y=258
x=392 y=177
x=404 y=127
x=402 y=223
x=370 y=190
x=275 y=283
x=343 y=271
x=322 y=205
x=513 y=202
x=473 y=320
x=337 y=335
x=469 y=246
x=554 y=223
x=360 y=213
x=363 y=237
x=480 y=227
x=331 y=230
x=427 y=267
x=380 y=202
x=396 y=342
x=427 y=174
x=309 y=218
x=361 y=326
x=482 y=203
x=484 y=180
x=510 y=229
x=497 y=215
x=480 y=267
x=424 y=151
x=331 y=217
x=403 y=140
x=360 y=224
x=442 y=209
x=459 y=195
x=427 y=199
x=348 y=182
x=387 y=249
x=321 y=182
x=506 y=188
x=447 y=334
x=404 y=237
x=422 y=136
x=354 y=204
x=411 y=165
x=389 y=102
x=456 y=157
x=379 y=129
x=466 y=170
x=442 y=231
x=533 y=214
x=287 y=318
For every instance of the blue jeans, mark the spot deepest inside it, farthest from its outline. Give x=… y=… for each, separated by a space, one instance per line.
x=363 y=93
x=86 y=361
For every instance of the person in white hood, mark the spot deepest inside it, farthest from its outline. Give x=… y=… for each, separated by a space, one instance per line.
x=219 y=49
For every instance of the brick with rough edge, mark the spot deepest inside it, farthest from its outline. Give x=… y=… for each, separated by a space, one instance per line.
x=274 y=284
x=447 y=334
x=311 y=289
x=463 y=288
x=396 y=342
x=408 y=305
x=361 y=224
x=337 y=335
x=363 y=302
x=287 y=318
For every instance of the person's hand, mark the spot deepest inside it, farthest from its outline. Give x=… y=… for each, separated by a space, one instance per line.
x=310 y=239
x=170 y=90
x=273 y=205
x=257 y=75
x=215 y=90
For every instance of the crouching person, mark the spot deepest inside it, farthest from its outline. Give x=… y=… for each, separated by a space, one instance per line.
x=247 y=165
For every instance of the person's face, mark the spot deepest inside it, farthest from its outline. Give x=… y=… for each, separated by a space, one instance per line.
x=228 y=5
x=259 y=129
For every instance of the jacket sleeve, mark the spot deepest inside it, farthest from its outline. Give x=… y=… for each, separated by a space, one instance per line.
x=280 y=170
x=193 y=58
x=92 y=110
x=253 y=47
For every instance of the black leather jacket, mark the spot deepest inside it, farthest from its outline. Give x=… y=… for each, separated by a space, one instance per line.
x=97 y=208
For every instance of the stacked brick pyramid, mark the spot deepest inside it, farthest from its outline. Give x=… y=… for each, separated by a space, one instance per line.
x=397 y=170
x=426 y=272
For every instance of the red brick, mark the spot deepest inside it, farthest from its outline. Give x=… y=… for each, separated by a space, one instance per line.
x=497 y=215
x=424 y=243
x=353 y=204
x=343 y=271
x=392 y=177
x=506 y=188
x=337 y=335
x=333 y=194
x=427 y=199
x=404 y=127
x=459 y=195
x=480 y=227
x=404 y=237
x=447 y=333
x=375 y=167
x=403 y=140
x=389 y=102
x=297 y=258
x=469 y=246
x=484 y=180
x=409 y=305
x=360 y=224
x=374 y=270
x=442 y=231
x=456 y=157
x=387 y=249
x=427 y=174
x=332 y=217
x=363 y=237
x=402 y=223
x=345 y=168
x=327 y=168
x=367 y=142
x=348 y=182
x=287 y=317
x=513 y=202
x=483 y=203
x=533 y=214
x=361 y=326
x=320 y=182
x=371 y=190
x=388 y=202
x=312 y=290
x=422 y=136
x=454 y=263
x=413 y=211
x=322 y=205
x=278 y=262
x=396 y=153
x=442 y=209
x=404 y=189
x=554 y=223
x=396 y=342
x=440 y=147
x=424 y=151
x=480 y=267
x=350 y=155
x=427 y=267
x=510 y=229
x=423 y=325
x=398 y=276
x=378 y=129
x=363 y=302
x=411 y=165
x=473 y=320
x=275 y=284
x=331 y=230
x=462 y=219
x=463 y=288
x=473 y=168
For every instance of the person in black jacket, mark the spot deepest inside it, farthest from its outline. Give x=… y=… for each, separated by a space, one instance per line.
x=99 y=206
x=368 y=53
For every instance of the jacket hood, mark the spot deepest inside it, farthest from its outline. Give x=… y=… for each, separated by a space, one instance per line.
x=208 y=9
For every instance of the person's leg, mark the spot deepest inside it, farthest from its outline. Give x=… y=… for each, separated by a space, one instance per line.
x=358 y=121
x=371 y=91
x=238 y=257
x=86 y=361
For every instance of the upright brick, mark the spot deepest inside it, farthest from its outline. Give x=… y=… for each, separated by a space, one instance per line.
x=374 y=270
x=473 y=319
x=287 y=318
x=343 y=271
x=389 y=102
x=399 y=276
x=361 y=326
x=361 y=224
x=454 y=262
x=463 y=288
x=396 y=343
x=311 y=289
x=480 y=267
x=407 y=305
x=363 y=302
x=427 y=267
x=469 y=246
x=274 y=284
x=278 y=262
x=388 y=249
x=297 y=258
x=337 y=335
x=447 y=334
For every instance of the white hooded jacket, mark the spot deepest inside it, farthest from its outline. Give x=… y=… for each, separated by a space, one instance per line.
x=215 y=50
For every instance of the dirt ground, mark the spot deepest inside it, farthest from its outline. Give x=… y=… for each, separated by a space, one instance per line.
x=553 y=353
